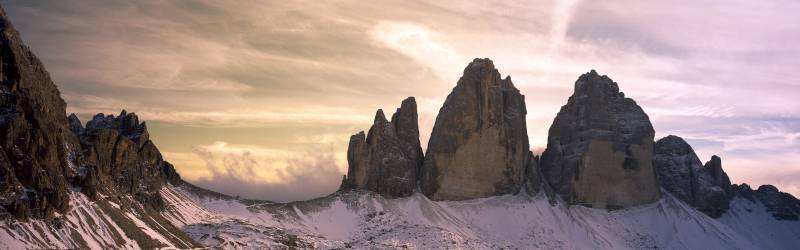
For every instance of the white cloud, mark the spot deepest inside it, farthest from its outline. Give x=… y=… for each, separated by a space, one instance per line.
x=420 y=43
x=266 y=173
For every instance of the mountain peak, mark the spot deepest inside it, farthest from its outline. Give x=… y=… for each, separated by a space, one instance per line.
x=479 y=65
x=379 y=116
x=479 y=143
x=592 y=83
x=673 y=145
x=600 y=148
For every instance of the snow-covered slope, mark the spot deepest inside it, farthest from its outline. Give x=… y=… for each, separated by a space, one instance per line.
x=360 y=220
x=364 y=220
x=752 y=221
x=104 y=224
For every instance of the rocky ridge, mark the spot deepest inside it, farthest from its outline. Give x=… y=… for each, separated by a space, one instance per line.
x=707 y=187
x=782 y=206
x=680 y=172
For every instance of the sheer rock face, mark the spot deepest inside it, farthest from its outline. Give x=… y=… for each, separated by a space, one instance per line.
x=387 y=160
x=34 y=136
x=600 y=148
x=479 y=144
x=680 y=172
x=119 y=158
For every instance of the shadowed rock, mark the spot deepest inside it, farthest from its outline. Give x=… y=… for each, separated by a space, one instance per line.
x=600 y=148
x=533 y=175
x=35 y=142
x=387 y=160
x=680 y=172
x=479 y=144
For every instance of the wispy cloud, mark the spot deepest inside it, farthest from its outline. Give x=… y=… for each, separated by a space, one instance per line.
x=714 y=72
x=421 y=44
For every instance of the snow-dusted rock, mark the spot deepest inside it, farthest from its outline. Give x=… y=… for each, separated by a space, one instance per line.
x=782 y=206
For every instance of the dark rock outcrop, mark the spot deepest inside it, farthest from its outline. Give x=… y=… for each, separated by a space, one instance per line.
x=533 y=175
x=479 y=144
x=387 y=159
x=782 y=206
x=600 y=148
x=118 y=157
x=680 y=172
x=34 y=136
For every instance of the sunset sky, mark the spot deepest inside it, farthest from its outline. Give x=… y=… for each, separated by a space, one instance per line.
x=259 y=98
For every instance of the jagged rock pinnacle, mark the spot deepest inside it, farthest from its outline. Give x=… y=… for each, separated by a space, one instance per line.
x=386 y=161
x=479 y=144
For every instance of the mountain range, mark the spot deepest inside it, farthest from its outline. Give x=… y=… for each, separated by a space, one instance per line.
x=603 y=181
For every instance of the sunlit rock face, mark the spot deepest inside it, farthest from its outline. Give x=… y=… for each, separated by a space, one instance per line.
x=681 y=173
x=387 y=159
x=600 y=148
x=479 y=144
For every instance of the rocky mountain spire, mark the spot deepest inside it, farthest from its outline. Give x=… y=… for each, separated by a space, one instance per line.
x=600 y=148
x=714 y=169
x=479 y=144
x=387 y=160
x=406 y=124
x=680 y=172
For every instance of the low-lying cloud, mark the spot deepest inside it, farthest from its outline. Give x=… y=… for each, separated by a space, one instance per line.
x=261 y=173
